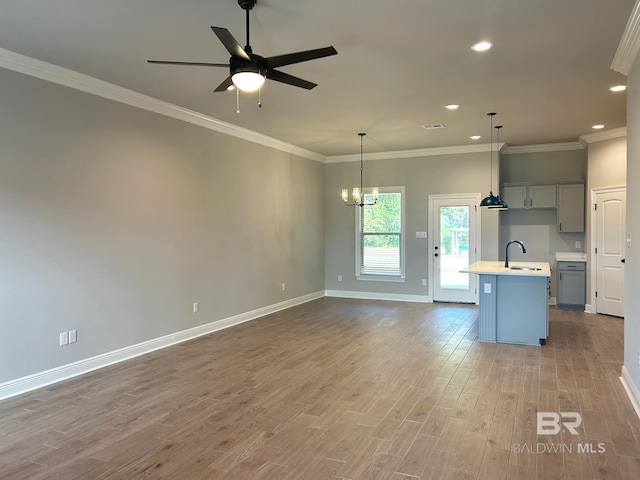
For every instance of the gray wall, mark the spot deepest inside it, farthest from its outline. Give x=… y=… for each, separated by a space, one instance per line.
x=606 y=167
x=538 y=228
x=632 y=266
x=114 y=220
x=421 y=177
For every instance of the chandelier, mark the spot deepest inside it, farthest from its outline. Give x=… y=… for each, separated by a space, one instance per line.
x=357 y=194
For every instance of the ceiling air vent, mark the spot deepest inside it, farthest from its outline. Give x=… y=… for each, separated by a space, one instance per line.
x=432 y=126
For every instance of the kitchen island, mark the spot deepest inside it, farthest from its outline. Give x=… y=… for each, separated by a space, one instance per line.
x=514 y=301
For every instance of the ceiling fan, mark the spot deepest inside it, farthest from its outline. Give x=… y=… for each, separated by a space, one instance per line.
x=247 y=70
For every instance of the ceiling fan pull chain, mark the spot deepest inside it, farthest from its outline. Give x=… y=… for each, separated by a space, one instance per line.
x=260 y=97
x=237 y=100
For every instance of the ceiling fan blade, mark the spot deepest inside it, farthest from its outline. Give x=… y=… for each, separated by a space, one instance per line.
x=289 y=79
x=297 y=57
x=224 y=86
x=230 y=43
x=197 y=64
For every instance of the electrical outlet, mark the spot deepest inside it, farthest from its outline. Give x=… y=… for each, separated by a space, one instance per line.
x=73 y=336
x=284 y=287
x=196 y=307
x=487 y=288
x=578 y=244
x=339 y=278
x=424 y=282
x=64 y=338
x=638 y=359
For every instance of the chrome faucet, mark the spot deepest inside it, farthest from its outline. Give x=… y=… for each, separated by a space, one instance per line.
x=506 y=251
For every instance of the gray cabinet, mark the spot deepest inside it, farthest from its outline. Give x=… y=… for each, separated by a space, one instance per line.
x=522 y=310
x=571 y=285
x=529 y=196
x=514 y=309
x=570 y=208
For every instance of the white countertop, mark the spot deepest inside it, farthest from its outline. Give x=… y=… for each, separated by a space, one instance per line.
x=497 y=268
x=571 y=257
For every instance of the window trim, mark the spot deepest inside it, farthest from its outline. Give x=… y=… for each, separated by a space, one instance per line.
x=358 y=250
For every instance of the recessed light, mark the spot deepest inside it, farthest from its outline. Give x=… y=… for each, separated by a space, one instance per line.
x=598 y=127
x=475 y=137
x=453 y=106
x=482 y=46
x=618 y=88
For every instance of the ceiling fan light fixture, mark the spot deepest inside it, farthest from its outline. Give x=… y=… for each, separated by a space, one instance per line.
x=247 y=81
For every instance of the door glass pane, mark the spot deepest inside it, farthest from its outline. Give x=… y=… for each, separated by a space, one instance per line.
x=454 y=247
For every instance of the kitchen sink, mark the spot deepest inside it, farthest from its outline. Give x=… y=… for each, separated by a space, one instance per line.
x=524 y=268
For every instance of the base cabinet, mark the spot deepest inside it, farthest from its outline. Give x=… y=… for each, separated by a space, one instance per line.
x=572 y=290
x=514 y=309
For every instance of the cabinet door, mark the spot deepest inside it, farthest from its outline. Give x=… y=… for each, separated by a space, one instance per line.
x=571 y=288
x=516 y=197
x=542 y=196
x=571 y=208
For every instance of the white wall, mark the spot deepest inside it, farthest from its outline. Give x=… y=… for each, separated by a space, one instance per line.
x=114 y=220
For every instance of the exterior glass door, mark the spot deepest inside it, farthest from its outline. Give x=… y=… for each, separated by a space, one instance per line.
x=454 y=248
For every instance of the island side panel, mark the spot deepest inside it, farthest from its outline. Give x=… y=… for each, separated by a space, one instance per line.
x=522 y=309
x=487 y=331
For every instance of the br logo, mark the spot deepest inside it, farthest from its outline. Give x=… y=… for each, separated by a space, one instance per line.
x=551 y=423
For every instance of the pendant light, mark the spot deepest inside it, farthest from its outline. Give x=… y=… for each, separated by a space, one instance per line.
x=357 y=195
x=503 y=205
x=491 y=200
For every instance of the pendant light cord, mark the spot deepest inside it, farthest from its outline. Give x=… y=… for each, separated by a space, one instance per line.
x=361 y=168
x=491 y=115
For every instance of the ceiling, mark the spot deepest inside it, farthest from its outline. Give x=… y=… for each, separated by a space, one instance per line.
x=398 y=64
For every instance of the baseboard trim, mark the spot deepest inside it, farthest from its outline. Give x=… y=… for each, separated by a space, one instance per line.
x=631 y=389
x=65 y=372
x=394 y=297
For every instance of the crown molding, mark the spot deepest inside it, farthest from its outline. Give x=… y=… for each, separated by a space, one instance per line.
x=545 y=147
x=85 y=83
x=421 y=152
x=606 y=135
x=629 y=43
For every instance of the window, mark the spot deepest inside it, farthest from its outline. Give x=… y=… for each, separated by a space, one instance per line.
x=380 y=236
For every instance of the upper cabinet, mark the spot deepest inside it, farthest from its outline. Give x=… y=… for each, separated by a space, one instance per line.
x=529 y=196
x=570 y=208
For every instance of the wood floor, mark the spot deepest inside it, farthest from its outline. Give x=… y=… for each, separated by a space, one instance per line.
x=338 y=389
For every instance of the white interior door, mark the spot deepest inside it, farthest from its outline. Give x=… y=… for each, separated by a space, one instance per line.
x=453 y=246
x=610 y=212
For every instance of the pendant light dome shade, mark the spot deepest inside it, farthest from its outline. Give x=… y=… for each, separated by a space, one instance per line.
x=502 y=204
x=492 y=201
